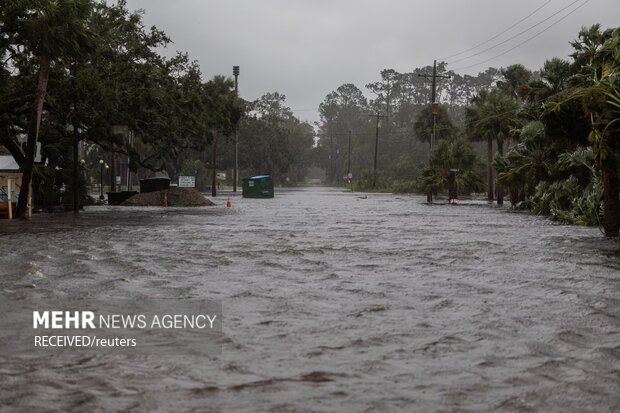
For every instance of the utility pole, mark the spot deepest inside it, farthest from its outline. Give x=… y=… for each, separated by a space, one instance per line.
x=374 y=178
x=337 y=163
x=331 y=158
x=129 y=177
x=349 y=158
x=76 y=143
x=388 y=98
x=434 y=112
x=76 y=181
x=235 y=171
x=213 y=172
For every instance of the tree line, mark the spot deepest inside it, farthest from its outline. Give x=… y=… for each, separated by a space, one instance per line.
x=75 y=70
x=547 y=139
x=405 y=125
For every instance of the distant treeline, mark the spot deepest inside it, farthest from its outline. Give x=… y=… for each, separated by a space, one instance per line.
x=551 y=136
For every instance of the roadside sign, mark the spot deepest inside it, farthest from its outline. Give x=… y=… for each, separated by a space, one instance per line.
x=187 y=181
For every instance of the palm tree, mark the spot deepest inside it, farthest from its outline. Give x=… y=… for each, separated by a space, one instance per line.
x=490 y=118
x=554 y=74
x=49 y=29
x=526 y=164
x=516 y=79
x=452 y=154
x=597 y=87
x=587 y=47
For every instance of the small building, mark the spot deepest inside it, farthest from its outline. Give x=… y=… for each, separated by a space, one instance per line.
x=260 y=186
x=10 y=185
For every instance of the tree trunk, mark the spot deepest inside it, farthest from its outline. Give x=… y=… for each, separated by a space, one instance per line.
x=76 y=161
x=611 y=200
x=33 y=135
x=112 y=172
x=499 y=189
x=490 y=169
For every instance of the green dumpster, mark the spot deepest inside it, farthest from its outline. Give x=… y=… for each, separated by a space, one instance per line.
x=260 y=186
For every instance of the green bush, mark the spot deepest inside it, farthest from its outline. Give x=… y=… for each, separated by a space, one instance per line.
x=568 y=202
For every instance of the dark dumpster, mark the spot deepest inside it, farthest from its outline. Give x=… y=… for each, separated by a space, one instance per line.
x=260 y=186
x=154 y=184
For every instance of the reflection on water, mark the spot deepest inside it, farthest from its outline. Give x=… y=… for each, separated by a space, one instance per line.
x=331 y=303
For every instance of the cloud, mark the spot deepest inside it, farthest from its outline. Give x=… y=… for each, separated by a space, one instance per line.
x=307 y=48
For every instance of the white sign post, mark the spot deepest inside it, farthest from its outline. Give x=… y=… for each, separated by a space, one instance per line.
x=187 y=181
x=10 y=196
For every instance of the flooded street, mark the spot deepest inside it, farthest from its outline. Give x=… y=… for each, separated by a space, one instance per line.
x=331 y=302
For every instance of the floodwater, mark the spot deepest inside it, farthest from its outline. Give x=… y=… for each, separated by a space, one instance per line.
x=332 y=301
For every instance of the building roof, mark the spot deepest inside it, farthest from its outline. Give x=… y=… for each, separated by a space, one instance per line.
x=8 y=164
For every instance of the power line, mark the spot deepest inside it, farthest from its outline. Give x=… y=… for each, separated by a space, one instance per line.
x=497 y=35
x=526 y=40
x=516 y=35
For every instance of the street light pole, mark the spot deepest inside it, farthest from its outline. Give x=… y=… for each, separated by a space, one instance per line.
x=236 y=169
x=129 y=177
x=101 y=197
x=109 y=176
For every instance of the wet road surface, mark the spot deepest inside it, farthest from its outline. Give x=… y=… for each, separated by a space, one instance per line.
x=331 y=303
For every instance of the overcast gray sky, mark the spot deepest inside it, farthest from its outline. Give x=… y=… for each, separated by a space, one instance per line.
x=307 y=48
